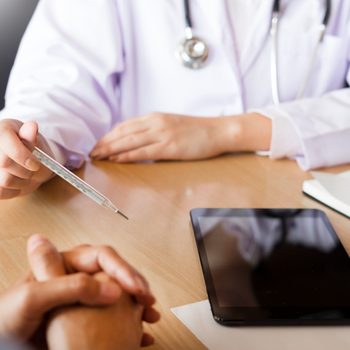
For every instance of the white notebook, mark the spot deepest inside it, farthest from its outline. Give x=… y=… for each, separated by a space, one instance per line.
x=332 y=190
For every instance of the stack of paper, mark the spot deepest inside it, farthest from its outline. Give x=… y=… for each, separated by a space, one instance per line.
x=332 y=190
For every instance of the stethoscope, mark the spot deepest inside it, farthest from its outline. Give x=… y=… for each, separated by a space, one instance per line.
x=193 y=52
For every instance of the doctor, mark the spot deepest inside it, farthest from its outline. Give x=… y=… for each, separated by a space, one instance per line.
x=148 y=80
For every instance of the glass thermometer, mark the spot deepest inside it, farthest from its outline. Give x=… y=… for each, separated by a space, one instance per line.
x=75 y=181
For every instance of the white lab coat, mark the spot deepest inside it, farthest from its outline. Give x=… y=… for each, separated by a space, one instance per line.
x=85 y=65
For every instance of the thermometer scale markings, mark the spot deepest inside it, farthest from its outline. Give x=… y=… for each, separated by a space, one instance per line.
x=75 y=181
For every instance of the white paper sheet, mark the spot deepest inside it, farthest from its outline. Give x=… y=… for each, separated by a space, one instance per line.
x=338 y=185
x=198 y=318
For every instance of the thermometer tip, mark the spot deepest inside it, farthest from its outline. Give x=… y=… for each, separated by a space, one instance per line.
x=123 y=215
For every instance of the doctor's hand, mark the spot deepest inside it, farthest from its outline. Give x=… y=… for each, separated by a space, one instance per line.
x=20 y=172
x=161 y=136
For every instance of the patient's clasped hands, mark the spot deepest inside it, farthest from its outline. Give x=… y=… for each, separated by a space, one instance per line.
x=84 y=298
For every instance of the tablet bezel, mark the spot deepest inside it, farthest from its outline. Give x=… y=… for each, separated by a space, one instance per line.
x=257 y=316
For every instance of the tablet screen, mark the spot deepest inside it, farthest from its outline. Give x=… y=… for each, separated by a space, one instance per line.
x=273 y=266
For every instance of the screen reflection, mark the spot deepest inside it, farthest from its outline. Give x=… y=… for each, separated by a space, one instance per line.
x=275 y=259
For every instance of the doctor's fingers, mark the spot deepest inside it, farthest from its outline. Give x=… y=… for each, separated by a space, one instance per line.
x=150 y=152
x=126 y=143
x=125 y=128
x=12 y=147
x=13 y=168
x=6 y=193
x=104 y=258
x=12 y=182
x=44 y=259
x=12 y=186
x=157 y=122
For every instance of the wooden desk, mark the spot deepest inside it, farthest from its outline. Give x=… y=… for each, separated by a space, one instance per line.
x=158 y=239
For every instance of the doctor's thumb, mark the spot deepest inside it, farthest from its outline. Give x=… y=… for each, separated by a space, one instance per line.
x=29 y=132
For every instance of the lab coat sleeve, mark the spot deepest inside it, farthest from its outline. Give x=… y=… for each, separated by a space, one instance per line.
x=66 y=72
x=315 y=131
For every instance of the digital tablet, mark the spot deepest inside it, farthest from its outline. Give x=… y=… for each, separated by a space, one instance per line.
x=273 y=266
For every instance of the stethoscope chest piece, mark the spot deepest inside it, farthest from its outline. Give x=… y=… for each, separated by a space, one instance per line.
x=193 y=52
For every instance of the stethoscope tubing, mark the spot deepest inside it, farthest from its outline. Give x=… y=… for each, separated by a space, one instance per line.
x=274 y=51
x=192 y=61
x=188 y=17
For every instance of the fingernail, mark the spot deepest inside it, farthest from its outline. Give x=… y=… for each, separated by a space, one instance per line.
x=32 y=165
x=35 y=241
x=109 y=290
